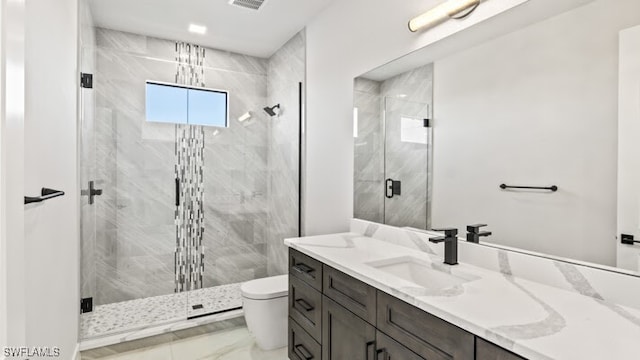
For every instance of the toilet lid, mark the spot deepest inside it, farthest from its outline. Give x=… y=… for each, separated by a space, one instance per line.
x=266 y=288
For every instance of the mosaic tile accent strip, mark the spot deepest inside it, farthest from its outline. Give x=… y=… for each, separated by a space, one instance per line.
x=142 y=313
x=189 y=255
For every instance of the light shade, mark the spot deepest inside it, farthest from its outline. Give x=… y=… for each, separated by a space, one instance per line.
x=441 y=13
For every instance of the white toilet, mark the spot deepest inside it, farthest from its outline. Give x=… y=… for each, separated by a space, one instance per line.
x=265 y=309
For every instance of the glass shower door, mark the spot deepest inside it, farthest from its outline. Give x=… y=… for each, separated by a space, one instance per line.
x=407 y=163
x=87 y=171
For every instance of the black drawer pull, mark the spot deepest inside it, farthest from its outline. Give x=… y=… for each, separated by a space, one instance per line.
x=303 y=269
x=381 y=352
x=303 y=352
x=304 y=304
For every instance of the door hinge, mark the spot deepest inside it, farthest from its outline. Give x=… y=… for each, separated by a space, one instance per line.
x=86 y=80
x=86 y=305
x=427 y=123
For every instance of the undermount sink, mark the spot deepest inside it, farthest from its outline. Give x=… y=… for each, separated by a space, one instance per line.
x=423 y=273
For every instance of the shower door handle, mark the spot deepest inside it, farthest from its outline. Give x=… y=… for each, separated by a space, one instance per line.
x=177 y=192
x=392 y=187
x=91 y=192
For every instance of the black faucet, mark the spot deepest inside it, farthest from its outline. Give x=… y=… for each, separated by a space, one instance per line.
x=474 y=233
x=450 y=241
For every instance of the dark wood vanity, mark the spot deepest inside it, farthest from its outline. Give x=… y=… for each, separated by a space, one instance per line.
x=333 y=316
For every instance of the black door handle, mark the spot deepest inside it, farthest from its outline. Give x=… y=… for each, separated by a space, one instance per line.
x=45 y=194
x=392 y=187
x=177 y=192
x=92 y=192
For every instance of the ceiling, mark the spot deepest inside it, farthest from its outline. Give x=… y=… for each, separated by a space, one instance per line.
x=257 y=33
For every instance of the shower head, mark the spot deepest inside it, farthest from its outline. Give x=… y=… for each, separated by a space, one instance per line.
x=272 y=110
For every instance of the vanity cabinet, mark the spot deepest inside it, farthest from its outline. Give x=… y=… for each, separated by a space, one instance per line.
x=333 y=316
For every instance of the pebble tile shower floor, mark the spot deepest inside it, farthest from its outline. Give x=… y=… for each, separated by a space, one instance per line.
x=141 y=313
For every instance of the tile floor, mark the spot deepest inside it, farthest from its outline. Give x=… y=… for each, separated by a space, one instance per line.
x=235 y=343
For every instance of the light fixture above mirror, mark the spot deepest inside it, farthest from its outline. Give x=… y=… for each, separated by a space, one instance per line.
x=452 y=9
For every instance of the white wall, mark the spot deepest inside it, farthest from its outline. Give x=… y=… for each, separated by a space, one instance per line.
x=50 y=144
x=345 y=41
x=535 y=107
x=12 y=245
x=629 y=152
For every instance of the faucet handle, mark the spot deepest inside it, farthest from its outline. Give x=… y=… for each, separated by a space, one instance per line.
x=448 y=232
x=475 y=228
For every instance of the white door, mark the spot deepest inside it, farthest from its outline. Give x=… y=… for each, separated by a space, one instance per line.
x=629 y=148
x=12 y=244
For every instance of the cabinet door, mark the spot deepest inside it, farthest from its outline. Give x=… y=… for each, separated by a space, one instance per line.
x=344 y=335
x=389 y=349
x=488 y=351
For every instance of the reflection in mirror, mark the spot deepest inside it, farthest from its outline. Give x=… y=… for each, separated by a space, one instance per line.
x=393 y=148
x=554 y=103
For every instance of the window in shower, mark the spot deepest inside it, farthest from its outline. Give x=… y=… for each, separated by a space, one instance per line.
x=177 y=104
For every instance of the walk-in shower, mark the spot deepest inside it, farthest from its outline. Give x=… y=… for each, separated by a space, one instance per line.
x=178 y=214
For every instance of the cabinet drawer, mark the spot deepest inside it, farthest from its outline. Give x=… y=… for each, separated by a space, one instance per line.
x=423 y=333
x=301 y=345
x=305 y=268
x=488 y=351
x=353 y=294
x=389 y=349
x=305 y=306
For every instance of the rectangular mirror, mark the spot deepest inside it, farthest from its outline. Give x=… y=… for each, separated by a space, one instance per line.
x=532 y=133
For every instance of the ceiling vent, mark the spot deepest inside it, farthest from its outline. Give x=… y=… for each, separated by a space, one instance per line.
x=249 y=4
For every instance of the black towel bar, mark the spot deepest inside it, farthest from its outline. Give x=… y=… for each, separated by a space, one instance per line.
x=551 y=188
x=45 y=194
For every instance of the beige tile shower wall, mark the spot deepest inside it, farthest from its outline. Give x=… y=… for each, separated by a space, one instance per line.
x=134 y=255
x=286 y=69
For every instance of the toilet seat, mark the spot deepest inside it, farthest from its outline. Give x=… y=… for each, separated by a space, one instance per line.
x=266 y=288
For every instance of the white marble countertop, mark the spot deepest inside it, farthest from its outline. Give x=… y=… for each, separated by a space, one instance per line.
x=533 y=320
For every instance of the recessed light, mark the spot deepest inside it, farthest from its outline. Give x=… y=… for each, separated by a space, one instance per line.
x=197 y=29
